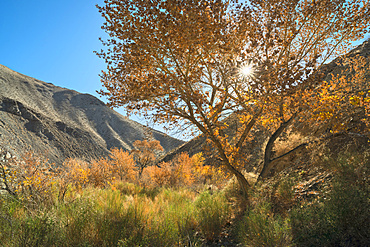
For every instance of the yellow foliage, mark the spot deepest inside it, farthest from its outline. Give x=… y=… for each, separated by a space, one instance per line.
x=164 y=175
x=75 y=172
x=99 y=173
x=123 y=165
x=183 y=170
x=30 y=178
x=33 y=179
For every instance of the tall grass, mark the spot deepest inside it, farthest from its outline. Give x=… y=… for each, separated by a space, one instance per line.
x=110 y=217
x=213 y=213
x=85 y=208
x=260 y=226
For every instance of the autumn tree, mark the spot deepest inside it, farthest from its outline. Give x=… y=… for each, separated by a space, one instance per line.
x=202 y=61
x=144 y=153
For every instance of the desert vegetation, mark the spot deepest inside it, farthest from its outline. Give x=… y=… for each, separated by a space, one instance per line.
x=110 y=202
x=107 y=203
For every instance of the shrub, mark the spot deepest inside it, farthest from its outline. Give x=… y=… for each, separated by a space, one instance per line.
x=123 y=165
x=29 y=179
x=182 y=171
x=260 y=227
x=145 y=153
x=282 y=196
x=74 y=172
x=97 y=205
x=213 y=214
x=161 y=176
x=98 y=173
x=35 y=231
x=171 y=174
x=342 y=219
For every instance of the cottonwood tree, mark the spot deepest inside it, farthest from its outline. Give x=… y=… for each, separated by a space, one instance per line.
x=201 y=61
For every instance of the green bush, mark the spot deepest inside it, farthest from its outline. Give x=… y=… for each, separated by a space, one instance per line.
x=260 y=227
x=213 y=214
x=342 y=219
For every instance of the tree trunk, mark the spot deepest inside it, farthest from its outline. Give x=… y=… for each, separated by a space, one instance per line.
x=243 y=183
x=270 y=144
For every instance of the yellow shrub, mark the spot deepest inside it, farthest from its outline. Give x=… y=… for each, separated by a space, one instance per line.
x=75 y=172
x=183 y=170
x=101 y=172
x=161 y=176
x=123 y=165
x=31 y=178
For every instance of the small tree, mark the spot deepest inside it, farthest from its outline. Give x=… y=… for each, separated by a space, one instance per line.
x=145 y=153
x=199 y=61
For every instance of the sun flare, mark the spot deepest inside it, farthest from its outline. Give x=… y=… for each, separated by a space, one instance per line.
x=247 y=70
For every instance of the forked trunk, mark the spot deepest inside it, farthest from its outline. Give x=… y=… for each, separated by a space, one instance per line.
x=243 y=183
x=270 y=144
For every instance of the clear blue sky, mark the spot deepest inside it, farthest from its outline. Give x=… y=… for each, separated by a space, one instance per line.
x=53 y=41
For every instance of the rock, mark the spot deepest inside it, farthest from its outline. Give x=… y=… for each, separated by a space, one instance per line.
x=8 y=156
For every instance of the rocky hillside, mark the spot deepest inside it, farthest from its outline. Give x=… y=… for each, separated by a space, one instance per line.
x=60 y=123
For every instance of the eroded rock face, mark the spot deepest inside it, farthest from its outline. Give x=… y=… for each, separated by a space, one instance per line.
x=59 y=123
x=56 y=140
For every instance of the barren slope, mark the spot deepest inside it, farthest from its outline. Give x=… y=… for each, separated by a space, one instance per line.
x=61 y=123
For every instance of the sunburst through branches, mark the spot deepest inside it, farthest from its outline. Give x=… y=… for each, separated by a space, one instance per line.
x=247 y=70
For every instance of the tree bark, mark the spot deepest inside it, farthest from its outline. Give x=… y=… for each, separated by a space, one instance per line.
x=243 y=183
x=270 y=144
